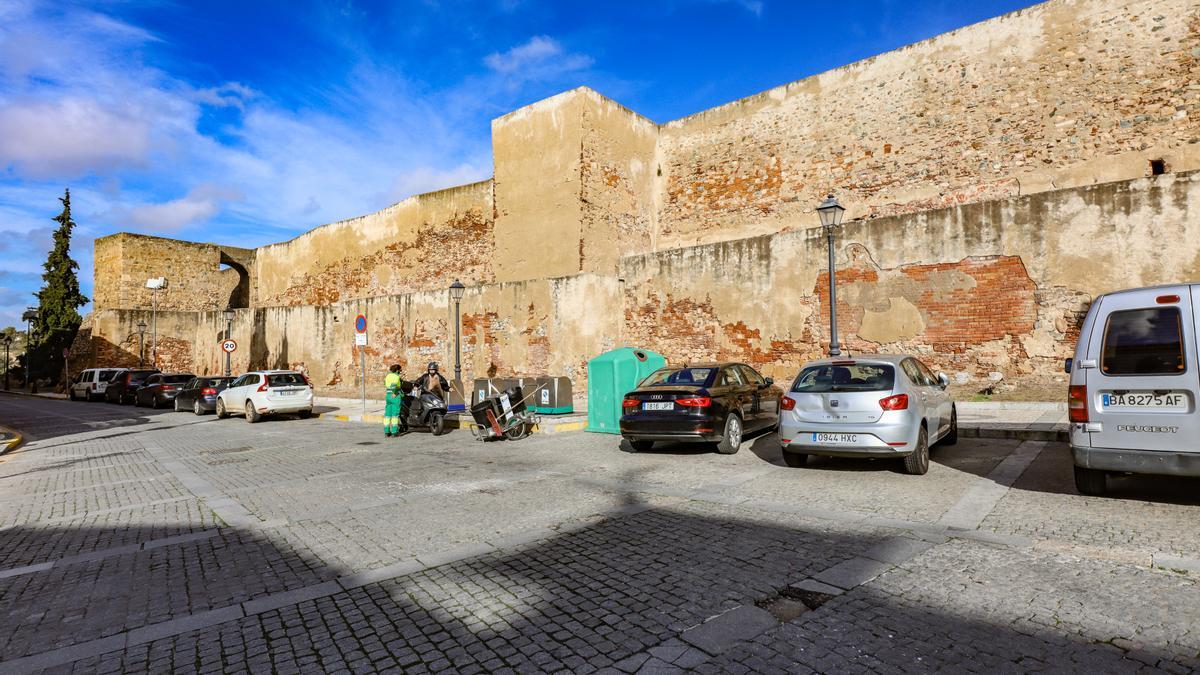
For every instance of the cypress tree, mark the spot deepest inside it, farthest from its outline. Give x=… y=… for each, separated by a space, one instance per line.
x=58 y=301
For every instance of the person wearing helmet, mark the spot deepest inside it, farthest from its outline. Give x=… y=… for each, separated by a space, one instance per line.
x=432 y=381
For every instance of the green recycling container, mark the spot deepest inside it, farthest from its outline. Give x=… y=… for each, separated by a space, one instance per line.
x=612 y=375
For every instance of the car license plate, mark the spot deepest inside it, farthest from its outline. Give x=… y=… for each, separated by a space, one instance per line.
x=1173 y=400
x=285 y=393
x=835 y=439
x=658 y=406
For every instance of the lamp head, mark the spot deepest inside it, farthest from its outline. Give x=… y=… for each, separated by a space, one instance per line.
x=457 y=289
x=831 y=212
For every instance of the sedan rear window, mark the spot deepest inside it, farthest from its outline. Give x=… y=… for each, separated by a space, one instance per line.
x=1143 y=342
x=680 y=376
x=839 y=378
x=285 y=380
x=177 y=379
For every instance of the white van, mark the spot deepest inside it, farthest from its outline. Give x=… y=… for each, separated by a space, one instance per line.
x=1135 y=381
x=90 y=384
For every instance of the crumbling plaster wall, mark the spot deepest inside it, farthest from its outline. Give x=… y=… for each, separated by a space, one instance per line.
x=195 y=280
x=382 y=252
x=999 y=286
x=1063 y=94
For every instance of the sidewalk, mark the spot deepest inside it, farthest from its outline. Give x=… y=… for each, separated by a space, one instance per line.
x=351 y=410
x=1032 y=421
x=1027 y=421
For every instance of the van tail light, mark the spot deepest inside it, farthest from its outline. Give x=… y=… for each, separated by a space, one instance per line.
x=208 y=391
x=897 y=402
x=630 y=403
x=695 y=401
x=1077 y=408
x=128 y=379
x=787 y=403
x=93 y=386
x=263 y=386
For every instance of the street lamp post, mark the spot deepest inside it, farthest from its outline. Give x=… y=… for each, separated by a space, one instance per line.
x=29 y=317
x=7 y=362
x=141 y=343
x=229 y=314
x=456 y=291
x=831 y=213
x=155 y=285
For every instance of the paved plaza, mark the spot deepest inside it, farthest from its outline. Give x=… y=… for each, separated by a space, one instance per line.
x=137 y=540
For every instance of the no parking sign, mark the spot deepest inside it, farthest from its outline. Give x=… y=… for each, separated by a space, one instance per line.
x=360 y=331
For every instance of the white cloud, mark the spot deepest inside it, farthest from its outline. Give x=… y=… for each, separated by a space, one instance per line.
x=538 y=58
x=197 y=207
x=70 y=136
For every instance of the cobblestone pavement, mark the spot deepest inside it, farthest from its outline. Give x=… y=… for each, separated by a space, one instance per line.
x=135 y=540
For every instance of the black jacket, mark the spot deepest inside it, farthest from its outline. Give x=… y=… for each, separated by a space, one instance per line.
x=424 y=381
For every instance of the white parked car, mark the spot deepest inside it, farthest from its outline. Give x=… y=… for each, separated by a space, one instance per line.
x=867 y=406
x=91 y=384
x=1135 y=384
x=266 y=392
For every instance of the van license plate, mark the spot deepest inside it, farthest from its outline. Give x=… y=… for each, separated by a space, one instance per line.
x=658 y=406
x=835 y=439
x=1175 y=400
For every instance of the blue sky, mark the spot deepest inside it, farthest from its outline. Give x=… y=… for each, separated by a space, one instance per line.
x=249 y=122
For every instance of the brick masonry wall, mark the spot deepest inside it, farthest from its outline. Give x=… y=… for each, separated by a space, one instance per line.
x=998 y=287
x=421 y=243
x=1066 y=93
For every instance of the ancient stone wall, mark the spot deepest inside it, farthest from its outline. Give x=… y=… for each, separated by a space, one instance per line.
x=423 y=242
x=195 y=280
x=997 y=178
x=1066 y=93
x=998 y=286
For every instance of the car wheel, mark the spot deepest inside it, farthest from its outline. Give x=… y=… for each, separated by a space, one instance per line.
x=154 y=402
x=1091 y=482
x=917 y=462
x=305 y=414
x=197 y=409
x=731 y=440
x=175 y=405
x=795 y=460
x=222 y=413
x=951 y=437
x=252 y=415
x=641 y=446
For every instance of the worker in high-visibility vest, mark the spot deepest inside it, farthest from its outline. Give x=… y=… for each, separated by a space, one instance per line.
x=393 y=402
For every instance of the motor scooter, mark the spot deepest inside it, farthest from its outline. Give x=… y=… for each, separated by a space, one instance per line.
x=426 y=409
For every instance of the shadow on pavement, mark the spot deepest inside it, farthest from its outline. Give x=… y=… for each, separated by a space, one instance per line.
x=617 y=591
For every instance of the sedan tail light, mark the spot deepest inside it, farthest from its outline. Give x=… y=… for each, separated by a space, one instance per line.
x=630 y=403
x=695 y=401
x=787 y=403
x=897 y=402
x=208 y=391
x=1077 y=408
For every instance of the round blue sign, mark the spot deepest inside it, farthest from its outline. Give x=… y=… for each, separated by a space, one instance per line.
x=360 y=324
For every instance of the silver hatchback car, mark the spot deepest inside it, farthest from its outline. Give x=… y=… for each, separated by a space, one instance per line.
x=867 y=406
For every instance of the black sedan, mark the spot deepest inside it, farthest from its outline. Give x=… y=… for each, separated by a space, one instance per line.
x=123 y=386
x=161 y=389
x=200 y=395
x=716 y=403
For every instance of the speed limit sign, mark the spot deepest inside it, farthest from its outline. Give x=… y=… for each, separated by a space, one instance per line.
x=228 y=346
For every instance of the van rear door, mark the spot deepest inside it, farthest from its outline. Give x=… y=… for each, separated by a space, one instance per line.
x=1143 y=377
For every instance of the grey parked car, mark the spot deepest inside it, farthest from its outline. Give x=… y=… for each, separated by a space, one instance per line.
x=867 y=406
